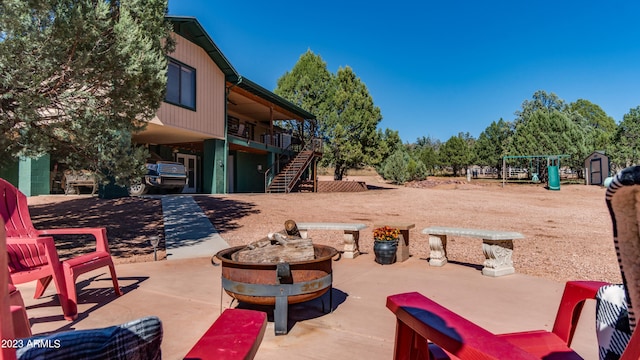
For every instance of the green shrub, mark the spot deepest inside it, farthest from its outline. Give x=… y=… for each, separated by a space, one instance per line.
x=395 y=167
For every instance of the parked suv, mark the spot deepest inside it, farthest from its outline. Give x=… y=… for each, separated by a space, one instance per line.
x=167 y=176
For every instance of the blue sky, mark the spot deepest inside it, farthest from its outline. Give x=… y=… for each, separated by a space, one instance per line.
x=440 y=68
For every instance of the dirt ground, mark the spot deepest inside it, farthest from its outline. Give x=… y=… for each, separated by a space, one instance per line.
x=568 y=233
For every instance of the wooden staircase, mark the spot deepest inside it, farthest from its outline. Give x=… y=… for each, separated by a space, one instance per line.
x=287 y=179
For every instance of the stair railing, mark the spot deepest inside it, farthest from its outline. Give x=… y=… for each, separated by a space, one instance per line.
x=267 y=181
x=292 y=175
x=298 y=173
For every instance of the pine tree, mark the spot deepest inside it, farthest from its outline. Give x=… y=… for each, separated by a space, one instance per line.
x=310 y=86
x=346 y=116
x=492 y=144
x=351 y=128
x=625 y=150
x=455 y=153
x=78 y=77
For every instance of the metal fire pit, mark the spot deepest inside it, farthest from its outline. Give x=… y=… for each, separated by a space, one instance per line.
x=278 y=284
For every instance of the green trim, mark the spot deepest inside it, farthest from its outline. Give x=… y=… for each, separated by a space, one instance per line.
x=189 y=28
x=258 y=145
x=258 y=90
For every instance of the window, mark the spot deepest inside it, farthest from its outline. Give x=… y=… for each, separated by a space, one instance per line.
x=181 y=85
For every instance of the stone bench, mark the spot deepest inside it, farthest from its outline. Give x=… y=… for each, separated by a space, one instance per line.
x=497 y=247
x=351 y=234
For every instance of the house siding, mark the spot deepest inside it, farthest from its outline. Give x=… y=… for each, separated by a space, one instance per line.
x=208 y=117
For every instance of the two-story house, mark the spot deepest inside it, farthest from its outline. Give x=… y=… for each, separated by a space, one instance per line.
x=227 y=130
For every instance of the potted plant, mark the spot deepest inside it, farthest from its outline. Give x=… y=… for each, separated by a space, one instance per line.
x=385 y=244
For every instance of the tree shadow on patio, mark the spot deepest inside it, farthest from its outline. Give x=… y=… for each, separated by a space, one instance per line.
x=130 y=222
x=224 y=213
x=99 y=296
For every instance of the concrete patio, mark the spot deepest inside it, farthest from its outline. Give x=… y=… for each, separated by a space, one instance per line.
x=186 y=295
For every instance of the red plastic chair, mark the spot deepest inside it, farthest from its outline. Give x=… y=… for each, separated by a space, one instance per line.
x=426 y=329
x=138 y=339
x=21 y=326
x=420 y=319
x=7 y=331
x=32 y=253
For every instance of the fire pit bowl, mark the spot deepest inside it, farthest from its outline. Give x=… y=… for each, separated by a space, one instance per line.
x=277 y=284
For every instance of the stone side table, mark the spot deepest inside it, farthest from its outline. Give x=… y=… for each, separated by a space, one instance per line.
x=402 y=254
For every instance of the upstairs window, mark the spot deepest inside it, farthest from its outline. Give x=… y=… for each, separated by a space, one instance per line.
x=181 y=85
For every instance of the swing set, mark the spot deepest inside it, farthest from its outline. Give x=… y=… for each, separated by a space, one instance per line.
x=531 y=168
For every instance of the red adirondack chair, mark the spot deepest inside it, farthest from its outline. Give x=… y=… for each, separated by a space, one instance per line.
x=33 y=256
x=138 y=339
x=21 y=326
x=426 y=329
x=7 y=332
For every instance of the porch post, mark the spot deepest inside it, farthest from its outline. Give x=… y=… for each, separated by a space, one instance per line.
x=213 y=164
x=271 y=124
x=34 y=177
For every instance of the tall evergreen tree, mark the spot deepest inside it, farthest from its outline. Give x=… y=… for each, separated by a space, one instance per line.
x=626 y=141
x=599 y=125
x=347 y=119
x=429 y=157
x=540 y=100
x=351 y=129
x=389 y=142
x=551 y=133
x=309 y=85
x=77 y=77
x=455 y=153
x=546 y=126
x=492 y=144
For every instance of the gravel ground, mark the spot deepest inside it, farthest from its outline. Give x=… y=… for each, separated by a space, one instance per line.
x=567 y=233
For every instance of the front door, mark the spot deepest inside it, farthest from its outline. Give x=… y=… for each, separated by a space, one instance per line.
x=190 y=163
x=596 y=171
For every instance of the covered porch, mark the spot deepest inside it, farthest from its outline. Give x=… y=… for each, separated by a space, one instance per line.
x=264 y=132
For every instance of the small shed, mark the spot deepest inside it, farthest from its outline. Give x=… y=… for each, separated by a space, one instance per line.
x=597 y=168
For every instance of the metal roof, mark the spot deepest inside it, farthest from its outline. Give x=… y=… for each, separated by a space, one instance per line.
x=189 y=28
x=258 y=90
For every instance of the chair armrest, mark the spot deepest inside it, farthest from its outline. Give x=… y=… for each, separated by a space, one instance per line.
x=573 y=298
x=422 y=319
x=44 y=240
x=99 y=233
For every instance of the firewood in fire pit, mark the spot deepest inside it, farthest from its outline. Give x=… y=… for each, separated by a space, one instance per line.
x=292 y=228
x=277 y=247
x=289 y=251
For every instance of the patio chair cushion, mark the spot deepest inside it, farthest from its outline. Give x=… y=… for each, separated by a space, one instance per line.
x=135 y=340
x=612 y=321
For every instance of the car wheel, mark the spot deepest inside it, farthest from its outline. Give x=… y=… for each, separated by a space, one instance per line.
x=138 y=189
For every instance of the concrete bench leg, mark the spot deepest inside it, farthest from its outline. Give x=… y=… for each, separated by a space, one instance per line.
x=438 y=253
x=351 y=240
x=498 y=257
